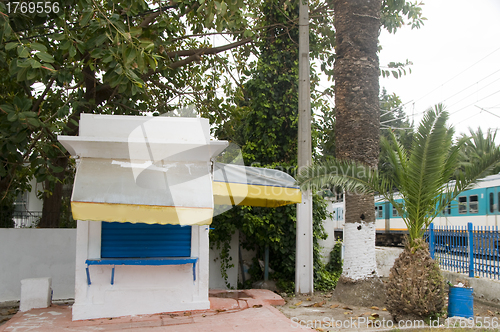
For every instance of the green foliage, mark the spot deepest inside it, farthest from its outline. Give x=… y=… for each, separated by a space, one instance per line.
x=393 y=121
x=325 y=280
x=396 y=69
x=479 y=145
x=273 y=227
x=6 y=213
x=108 y=57
x=395 y=12
x=326 y=276
x=335 y=262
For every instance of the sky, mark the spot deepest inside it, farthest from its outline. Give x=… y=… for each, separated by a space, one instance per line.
x=456 y=61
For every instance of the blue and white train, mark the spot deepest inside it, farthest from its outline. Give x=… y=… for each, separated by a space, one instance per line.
x=479 y=205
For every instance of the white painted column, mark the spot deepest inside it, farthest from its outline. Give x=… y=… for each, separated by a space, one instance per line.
x=304 y=282
x=200 y=249
x=81 y=287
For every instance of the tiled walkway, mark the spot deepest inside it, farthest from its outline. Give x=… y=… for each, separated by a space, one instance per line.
x=248 y=310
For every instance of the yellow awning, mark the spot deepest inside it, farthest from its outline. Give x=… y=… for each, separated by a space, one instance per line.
x=253 y=186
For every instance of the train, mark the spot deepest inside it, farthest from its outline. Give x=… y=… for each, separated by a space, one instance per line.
x=479 y=205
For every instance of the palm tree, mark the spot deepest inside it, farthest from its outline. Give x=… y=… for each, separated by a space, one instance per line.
x=478 y=145
x=421 y=178
x=357 y=25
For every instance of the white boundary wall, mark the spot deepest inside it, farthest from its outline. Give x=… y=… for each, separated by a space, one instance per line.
x=37 y=253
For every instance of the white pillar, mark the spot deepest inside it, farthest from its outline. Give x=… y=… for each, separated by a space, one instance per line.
x=304 y=255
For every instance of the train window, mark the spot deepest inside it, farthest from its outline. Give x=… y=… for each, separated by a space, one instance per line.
x=473 y=204
x=492 y=202
x=379 y=211
x=448 y=209
x=462 y=204
x=395 y=212
x=498 y=204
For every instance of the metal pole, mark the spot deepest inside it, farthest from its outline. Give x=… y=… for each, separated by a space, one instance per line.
x=471 y=249
x=266 y=264
x=304 y=237
x=432 y=244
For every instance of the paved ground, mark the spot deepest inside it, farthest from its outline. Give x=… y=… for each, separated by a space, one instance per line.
x=245 y=310
x=248 y=310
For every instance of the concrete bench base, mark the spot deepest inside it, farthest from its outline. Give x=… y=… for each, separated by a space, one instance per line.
x=35 y=293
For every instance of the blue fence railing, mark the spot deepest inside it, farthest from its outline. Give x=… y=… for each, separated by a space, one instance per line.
x=466 y=249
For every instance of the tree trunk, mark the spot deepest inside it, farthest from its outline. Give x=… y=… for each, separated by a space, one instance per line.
x=52 y=202
x=51 y=210
x=357 y=24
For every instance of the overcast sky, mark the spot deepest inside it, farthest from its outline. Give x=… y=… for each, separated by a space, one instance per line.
x=456 y=57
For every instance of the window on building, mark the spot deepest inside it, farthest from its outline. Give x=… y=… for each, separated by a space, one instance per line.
x=473 y=204
x=21 y=203
x=462 y=204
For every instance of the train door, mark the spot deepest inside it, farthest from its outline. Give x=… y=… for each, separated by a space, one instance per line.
x=493 y=204
x=387 y=215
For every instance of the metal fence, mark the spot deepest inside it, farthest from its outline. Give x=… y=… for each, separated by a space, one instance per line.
x=466 y=249
x=20 y=219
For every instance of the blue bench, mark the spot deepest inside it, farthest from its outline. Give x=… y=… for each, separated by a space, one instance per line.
x=155 y=261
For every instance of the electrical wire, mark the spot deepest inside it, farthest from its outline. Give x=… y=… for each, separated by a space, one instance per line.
x=463 y=71
x=494 y=93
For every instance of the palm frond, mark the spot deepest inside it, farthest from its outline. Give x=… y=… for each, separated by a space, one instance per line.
x=352 y=177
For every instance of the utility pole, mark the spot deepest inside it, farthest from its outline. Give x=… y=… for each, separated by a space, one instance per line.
x=304 y=245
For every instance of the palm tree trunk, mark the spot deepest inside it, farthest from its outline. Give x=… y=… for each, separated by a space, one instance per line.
x=357 y=24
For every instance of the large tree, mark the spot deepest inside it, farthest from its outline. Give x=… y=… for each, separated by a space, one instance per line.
x=112 y=57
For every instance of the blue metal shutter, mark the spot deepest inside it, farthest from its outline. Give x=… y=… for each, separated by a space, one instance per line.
x=127 y=240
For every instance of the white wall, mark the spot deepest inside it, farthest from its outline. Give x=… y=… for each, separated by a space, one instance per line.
x=328 y=244
x=385 y=257
x=37 y=253
x=35 y=203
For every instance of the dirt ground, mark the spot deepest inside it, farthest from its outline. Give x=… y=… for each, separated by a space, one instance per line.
x=7 y=310
x=323 y=314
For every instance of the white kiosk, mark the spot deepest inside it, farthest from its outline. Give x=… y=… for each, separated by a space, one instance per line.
x=143 y=197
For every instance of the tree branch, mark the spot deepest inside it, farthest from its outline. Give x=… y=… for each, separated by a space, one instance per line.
x=147 y=21
x=184 y=62
x=40 y=99
x=209 y=50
